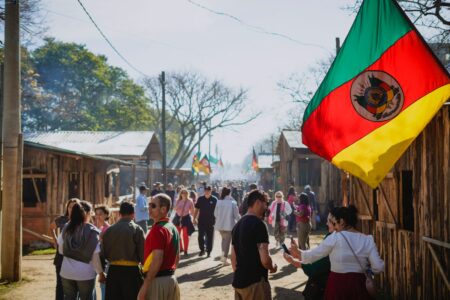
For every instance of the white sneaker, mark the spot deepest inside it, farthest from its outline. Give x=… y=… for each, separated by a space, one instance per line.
x=223 y=259
x=225 y=262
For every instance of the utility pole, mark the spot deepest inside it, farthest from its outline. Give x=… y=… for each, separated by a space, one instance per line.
x=209 y=137
x=338 y=45
x=163 y=125
x=11 y=254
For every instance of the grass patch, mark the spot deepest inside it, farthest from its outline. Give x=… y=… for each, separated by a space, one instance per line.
x=5 y=286
x=43 y=251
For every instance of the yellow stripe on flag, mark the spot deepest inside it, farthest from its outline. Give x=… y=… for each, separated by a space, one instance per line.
x=147 y=263
x=377 y=152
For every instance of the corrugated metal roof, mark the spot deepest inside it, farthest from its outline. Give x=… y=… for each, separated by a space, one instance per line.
x=265 y=160
x=294 y=139
x=126 y=143
x=65 y=151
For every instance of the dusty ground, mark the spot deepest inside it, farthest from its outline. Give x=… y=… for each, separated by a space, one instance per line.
x=199 y=277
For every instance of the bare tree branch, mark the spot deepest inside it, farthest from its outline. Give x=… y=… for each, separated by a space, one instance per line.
x=195 y=104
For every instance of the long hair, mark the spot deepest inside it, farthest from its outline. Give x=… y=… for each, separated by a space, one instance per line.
x=183 y=190
x=291 y=191
x=225 y=192
x=72 y=200
x=77 y=218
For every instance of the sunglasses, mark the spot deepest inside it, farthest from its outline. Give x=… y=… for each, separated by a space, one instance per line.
x=278 y=197
x=153 y=205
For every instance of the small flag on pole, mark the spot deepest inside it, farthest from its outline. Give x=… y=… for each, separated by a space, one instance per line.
x=255 y=165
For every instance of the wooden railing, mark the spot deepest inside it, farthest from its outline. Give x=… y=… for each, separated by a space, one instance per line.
x=434 y=255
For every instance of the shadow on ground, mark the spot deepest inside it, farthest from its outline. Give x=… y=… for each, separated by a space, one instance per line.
x=287 y=294
x=283 y=272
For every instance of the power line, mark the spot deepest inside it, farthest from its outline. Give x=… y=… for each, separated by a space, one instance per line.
x=256 y=28
x=109 y=42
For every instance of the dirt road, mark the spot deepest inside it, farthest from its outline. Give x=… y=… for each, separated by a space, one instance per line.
x=200 y=278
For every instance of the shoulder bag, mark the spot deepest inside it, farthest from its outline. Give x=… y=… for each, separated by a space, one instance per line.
x=371 y=286
x=177 y=219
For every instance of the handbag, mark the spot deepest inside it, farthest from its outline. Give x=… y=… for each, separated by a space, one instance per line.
x=177 y=220
x=371 y=285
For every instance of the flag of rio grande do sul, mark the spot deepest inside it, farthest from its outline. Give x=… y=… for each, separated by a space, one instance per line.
x=381 y=91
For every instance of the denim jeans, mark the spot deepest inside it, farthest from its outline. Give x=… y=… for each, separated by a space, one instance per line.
x=82 y=290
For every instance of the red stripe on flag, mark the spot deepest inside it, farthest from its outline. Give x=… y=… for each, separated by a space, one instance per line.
x=335 y=124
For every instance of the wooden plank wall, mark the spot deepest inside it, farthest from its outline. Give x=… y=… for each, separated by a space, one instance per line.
x=411 y=272
x=57 y=168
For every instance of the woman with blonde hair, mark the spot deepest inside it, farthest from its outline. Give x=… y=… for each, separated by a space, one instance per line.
x=184 y=209
x=279 y=211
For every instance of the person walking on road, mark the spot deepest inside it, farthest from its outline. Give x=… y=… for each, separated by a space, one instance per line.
x=304 y=215
x=227 y=215
x=184 y=209
x=250 y=257
x=123 y=248
x=280 y=210
x=314 y=206
x=162 y=254
x=204 y=217
x=142 y=216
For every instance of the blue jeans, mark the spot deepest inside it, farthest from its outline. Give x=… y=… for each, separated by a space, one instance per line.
x=82 y=290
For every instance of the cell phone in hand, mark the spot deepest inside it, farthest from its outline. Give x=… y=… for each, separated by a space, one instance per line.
x=286 y=250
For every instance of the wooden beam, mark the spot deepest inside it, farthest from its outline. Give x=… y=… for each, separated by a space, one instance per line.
x=438 y=264
x=36 y=190
x=436 y=242
x=387 y=204
x=366 y=201
x=36 y=176
x=38 y=235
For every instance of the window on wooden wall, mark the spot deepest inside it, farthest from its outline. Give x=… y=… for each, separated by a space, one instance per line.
x=34 y=192
x=74 y=185
x=309 y=172
x=406 y=196
x=375 y=204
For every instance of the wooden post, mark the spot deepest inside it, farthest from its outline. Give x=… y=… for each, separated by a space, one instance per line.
x=12 y=155
x=134 y=181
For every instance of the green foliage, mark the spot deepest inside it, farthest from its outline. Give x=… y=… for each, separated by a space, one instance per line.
x=67 y=87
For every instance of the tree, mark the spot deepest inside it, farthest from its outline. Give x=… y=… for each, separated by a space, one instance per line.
x=430 y=14
x=300 y=88
x=82 y=92
x=195 y=107
x=32 y=21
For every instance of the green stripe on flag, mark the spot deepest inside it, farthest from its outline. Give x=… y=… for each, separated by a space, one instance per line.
x=378 y=25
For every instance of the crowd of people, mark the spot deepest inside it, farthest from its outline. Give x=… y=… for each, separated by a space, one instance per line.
x=136 y=257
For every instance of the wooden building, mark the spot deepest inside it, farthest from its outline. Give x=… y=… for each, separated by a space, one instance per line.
x=298 y=167
x=138 y=147
x=409 y=216
x=266 y=170
x=52 y=175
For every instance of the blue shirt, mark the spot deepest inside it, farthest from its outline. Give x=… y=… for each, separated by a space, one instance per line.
x=141 y=209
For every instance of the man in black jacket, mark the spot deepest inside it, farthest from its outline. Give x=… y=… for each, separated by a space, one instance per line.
x=204 y=210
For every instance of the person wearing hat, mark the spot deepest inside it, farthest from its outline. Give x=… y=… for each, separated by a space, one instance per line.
x=141 y=215
x=156 y=189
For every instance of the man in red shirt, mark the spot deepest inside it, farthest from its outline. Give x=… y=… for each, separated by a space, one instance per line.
x=161 y=254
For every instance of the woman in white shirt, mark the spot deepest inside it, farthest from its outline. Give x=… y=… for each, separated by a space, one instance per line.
x=347 y=277
x=79 y=244
x=279 y=212
x=227 y=215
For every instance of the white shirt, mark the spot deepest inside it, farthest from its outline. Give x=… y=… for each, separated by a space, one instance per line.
x=226 y=213
x=76 y=270
x=341 y=256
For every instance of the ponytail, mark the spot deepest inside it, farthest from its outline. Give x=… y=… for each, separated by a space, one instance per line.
x=77 y=218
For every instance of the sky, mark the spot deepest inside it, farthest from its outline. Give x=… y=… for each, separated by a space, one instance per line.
x=179 y=35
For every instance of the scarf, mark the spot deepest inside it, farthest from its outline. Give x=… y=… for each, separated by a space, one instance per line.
x=81 y=244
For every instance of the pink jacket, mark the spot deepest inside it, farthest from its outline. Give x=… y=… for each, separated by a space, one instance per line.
x=285 y=209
